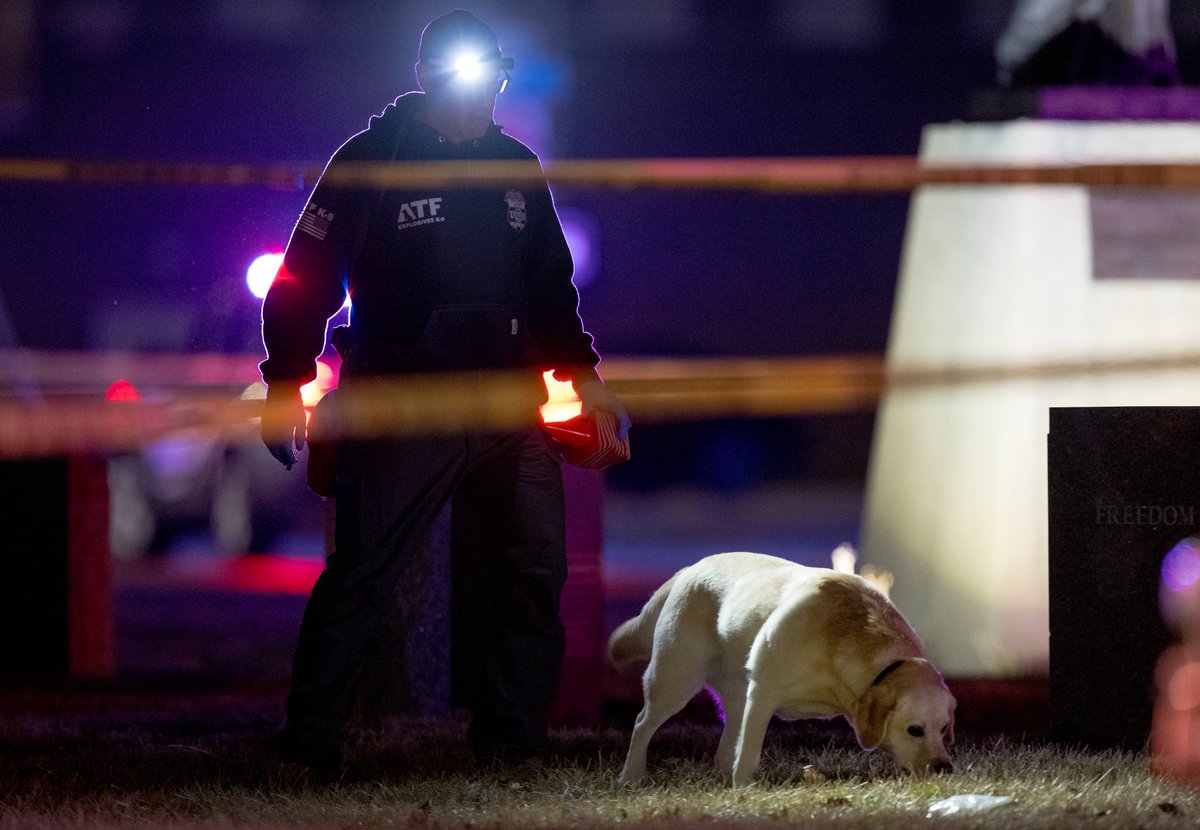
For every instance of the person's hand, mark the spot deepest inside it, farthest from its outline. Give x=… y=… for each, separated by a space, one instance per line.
x=283 y=423
x=595 y=395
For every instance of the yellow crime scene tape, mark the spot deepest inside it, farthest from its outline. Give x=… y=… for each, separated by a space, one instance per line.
x=788 y=175
x=73 y=418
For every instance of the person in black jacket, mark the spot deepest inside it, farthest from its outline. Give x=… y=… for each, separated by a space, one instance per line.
x=447 y=278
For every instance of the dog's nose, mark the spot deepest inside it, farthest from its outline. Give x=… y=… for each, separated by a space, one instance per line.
x=941 y=765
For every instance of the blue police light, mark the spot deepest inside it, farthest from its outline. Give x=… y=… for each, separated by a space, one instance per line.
x=261 y=273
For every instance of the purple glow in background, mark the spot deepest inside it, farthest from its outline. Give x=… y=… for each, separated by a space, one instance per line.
x=583 y=238
x=1181 y=566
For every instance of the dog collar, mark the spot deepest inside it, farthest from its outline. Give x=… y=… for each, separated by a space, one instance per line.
x=888 y=669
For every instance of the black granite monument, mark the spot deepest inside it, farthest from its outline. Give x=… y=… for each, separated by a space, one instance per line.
x=1124 y=489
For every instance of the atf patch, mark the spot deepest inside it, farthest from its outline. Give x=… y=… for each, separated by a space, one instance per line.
x=516 y=209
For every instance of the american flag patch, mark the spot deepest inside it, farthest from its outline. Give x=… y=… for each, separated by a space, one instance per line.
x=315 y=222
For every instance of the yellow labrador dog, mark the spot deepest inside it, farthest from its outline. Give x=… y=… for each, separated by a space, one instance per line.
x=770 y=636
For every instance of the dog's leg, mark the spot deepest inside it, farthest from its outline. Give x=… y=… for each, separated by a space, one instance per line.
x=666 y=693
x=758 y=713
x=733 y=704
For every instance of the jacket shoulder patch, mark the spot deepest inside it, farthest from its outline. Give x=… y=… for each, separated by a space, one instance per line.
x=516 y=209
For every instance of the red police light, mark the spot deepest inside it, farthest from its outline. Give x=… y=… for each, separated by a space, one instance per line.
x=122 y=390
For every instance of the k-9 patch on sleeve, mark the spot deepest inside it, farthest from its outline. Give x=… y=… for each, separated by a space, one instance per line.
x=315 y=221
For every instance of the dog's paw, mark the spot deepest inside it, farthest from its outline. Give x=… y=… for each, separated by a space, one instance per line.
x=628 y=778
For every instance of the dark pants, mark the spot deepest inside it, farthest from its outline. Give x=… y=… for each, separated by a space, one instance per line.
x=386 y=504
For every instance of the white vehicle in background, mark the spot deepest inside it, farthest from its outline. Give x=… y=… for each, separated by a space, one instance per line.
x=208 y=489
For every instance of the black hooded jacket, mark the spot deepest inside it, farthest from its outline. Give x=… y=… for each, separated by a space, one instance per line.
x=441 y=278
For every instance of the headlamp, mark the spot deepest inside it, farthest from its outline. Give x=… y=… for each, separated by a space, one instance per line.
x=471 y=69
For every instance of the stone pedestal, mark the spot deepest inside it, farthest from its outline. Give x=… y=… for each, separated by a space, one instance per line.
x=408 y=671
x=1026 y=297
x=425 y=658
x=1124 y=489
x=581 y=693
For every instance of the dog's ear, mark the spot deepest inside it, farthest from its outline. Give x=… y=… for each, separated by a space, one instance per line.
x=870 y=715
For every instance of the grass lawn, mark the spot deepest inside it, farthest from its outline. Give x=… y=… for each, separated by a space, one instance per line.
x=207 y=764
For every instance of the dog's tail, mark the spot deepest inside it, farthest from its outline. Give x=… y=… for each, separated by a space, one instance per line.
x=634 y=638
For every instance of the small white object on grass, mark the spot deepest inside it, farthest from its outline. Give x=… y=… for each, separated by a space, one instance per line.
x=969 y=803
x=812 y=775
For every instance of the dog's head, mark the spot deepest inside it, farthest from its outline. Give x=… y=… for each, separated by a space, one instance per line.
x=910 y=713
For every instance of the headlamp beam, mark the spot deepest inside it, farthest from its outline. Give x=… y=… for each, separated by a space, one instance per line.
x=468 y=69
